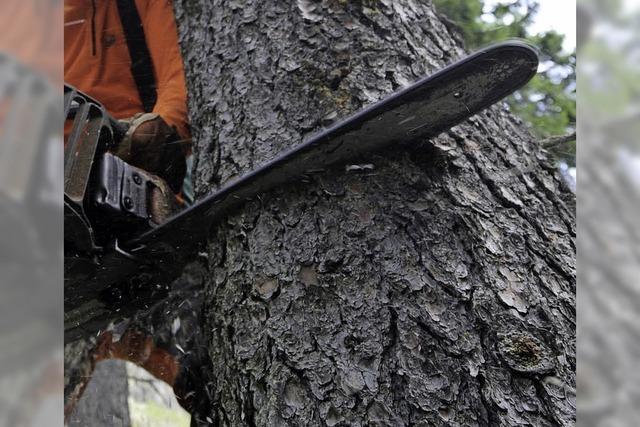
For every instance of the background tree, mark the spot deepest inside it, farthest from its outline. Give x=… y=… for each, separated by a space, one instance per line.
x=548 y=103
x=436 y=289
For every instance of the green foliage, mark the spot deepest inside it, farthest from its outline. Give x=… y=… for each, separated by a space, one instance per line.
x=504 y=21
x=548 y=103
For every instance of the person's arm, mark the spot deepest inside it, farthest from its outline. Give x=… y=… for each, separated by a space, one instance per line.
x=162 y=39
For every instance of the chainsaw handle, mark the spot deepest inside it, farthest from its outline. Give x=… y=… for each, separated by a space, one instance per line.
x=119 y=130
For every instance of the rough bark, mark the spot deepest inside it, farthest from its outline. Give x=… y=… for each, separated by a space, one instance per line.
x=436 y=289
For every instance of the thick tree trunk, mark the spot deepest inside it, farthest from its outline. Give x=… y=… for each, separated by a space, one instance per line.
x=436 y=289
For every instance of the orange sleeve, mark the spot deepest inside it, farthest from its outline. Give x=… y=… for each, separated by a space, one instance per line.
x=161 y=33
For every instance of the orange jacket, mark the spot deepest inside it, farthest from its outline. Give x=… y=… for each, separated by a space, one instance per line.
x=97 y=61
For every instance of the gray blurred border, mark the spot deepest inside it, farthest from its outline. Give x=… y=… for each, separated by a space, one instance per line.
x=608 y=172
x=31 y=230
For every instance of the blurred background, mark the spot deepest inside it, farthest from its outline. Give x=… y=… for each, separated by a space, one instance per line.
x=31 y=243
x=608 y=206
x=31 y=163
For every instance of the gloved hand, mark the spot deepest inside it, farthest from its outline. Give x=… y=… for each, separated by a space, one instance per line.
x=151 y=144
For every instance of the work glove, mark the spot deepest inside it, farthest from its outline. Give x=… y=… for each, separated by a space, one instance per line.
x=151 y=144
x=162 y=203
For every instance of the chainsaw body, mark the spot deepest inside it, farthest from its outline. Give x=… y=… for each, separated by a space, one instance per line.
x=106 y=200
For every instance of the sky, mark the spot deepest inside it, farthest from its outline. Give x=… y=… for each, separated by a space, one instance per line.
x=558 y=15
x=631 y=5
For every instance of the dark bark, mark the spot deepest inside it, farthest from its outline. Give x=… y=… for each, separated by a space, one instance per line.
x=436 y=289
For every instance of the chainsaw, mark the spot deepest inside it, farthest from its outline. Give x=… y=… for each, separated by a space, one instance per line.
x=119 y=257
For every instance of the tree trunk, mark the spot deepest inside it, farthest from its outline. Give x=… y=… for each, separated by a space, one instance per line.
x=436 y=289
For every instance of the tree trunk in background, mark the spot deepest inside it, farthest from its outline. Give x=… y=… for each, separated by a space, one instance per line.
x=436 y=289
